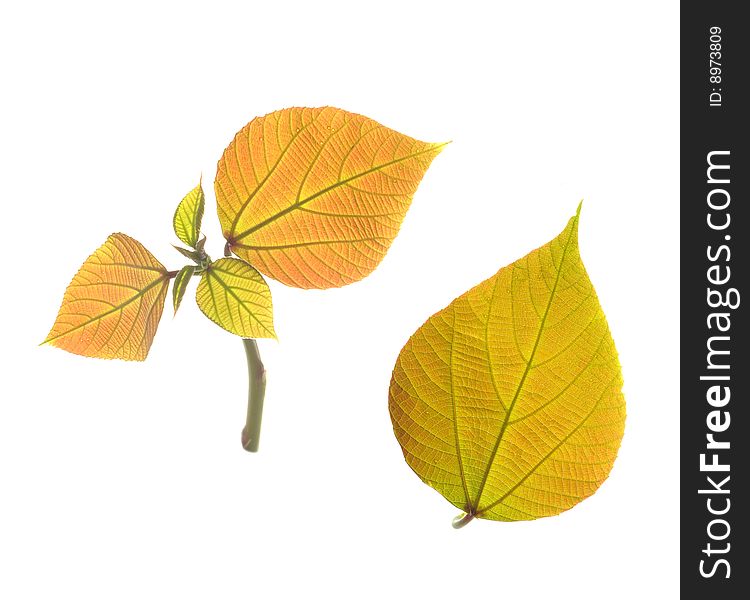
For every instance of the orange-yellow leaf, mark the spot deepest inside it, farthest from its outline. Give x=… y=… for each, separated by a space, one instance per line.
x=313 y=197
x=508 y=401
x=112 y=307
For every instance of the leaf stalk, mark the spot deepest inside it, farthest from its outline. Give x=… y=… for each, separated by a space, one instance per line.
x=256 y=394
x=463 y=519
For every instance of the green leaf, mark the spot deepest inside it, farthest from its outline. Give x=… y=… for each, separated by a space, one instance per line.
x=188 y=216
x=193 y=255
x=236 y=297
x=180 y=284
x=509 y=401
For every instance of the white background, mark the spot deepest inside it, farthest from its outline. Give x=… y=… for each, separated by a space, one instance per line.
x=127 y=480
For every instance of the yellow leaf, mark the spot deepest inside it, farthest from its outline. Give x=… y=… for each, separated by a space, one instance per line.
x=188 y=216
x=236 y=297
x=508 y=401
x=112 y=307
x=180 y=284
x=313 y=197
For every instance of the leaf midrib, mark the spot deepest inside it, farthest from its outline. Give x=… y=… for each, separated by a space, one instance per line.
x=228 y=289
x=114 y=309
x=296 y=205
x=504 y=427
x=271 y=171
x=559 y=445
x=316 y=243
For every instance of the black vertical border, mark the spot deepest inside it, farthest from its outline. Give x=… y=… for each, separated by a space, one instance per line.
x=704 y=128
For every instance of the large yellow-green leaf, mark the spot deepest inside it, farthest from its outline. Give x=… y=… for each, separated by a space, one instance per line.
x=112 y=307
x=313 y=197
x=508 y=401
x=188 y=216
x=236 y=297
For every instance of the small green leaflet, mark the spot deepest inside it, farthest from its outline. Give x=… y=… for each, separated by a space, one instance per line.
x=180 y=284
x=188 y=216
x=236 y=297
x=193 y=255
